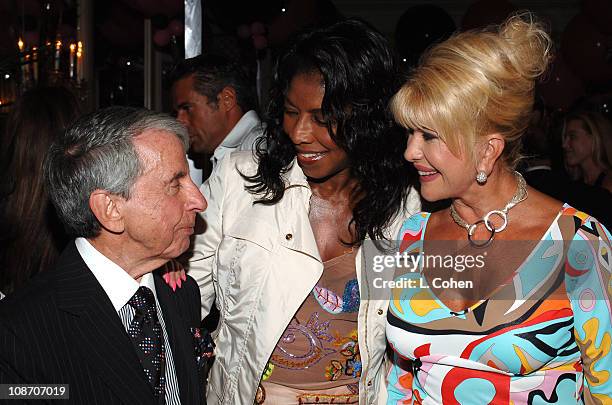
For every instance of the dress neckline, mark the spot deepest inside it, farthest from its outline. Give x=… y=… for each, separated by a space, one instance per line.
x=333 y=260
x=510 y=278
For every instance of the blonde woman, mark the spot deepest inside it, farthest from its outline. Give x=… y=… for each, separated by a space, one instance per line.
x=518 y=312
x=587 y=148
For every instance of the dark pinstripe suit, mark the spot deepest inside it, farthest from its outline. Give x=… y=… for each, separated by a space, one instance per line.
x=63 y=329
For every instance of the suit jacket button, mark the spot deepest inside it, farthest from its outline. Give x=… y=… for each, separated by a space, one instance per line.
x=370 y=383
x=288 y=236
x=379 y=312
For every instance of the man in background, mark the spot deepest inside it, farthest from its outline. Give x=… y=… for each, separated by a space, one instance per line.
x=214 y=99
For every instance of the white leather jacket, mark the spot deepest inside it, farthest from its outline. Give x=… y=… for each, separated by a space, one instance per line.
x=258 y=263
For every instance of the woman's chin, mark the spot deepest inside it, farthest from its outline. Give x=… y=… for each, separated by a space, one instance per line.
x=431 y=196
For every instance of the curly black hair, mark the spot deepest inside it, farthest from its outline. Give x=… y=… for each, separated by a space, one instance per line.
x=360 y=74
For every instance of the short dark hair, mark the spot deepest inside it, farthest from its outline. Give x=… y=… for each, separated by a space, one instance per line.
x=97 y=152
x=213 y=72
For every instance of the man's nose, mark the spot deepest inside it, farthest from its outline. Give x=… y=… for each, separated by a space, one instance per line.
x=195 y=199
x=181 y=116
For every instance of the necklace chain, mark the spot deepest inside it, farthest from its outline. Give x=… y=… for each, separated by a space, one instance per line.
x=519 y=195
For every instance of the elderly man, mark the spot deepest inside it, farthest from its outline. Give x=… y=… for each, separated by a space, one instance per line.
x=101 y=321
x=214 y=99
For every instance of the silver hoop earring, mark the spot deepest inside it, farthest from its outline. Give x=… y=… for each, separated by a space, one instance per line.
x=481 y=177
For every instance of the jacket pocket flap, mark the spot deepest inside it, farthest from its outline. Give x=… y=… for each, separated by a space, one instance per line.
x=253 y=230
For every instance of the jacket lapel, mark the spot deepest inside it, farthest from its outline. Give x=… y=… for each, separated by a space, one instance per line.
x=97 y=334
x=181 y=343
x=295 y=228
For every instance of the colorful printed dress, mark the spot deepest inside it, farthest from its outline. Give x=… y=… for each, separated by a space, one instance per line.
x=547 y=341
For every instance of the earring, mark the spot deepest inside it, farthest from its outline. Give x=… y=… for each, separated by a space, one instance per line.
x=481 y=177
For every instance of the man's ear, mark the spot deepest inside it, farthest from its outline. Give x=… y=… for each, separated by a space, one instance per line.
x=490 y=151
x=106 y=207
x=227 y=98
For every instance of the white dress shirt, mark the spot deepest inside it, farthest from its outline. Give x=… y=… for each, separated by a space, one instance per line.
x=120 y=287
x=243 y=136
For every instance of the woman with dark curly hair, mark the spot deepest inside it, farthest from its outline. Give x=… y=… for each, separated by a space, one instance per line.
x=282 y=252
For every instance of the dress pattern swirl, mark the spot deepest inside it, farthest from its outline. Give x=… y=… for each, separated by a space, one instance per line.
x=542 y=338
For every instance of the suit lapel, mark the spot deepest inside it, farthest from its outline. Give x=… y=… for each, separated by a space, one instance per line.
x=98 y=334
x=181 y=343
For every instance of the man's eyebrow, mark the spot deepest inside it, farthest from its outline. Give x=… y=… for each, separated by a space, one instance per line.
x=177 y=176
x=183 y=105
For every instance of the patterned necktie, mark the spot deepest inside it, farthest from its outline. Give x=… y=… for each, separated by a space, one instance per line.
x=146 y=334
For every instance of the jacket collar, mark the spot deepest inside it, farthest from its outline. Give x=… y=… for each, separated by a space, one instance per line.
x=103 y=342
x=295 y=176
x=242 y=128
x=241 y=131
x=298 y=232
x=97 y=334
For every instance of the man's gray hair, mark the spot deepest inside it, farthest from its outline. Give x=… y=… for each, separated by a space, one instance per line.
x=97 y=152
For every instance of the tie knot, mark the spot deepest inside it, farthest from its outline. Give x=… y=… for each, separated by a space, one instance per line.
x=143 y=300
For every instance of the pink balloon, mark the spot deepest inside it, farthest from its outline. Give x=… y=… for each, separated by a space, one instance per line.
x=600 y=13
x=586 y=50
x=561 y=87
x=30 y=7
x=172 y=8
x=149 y=8
x=176 y=27
x=243 y=31
x=30 y=38
x=485 y=12
x=298 y=15
x=66 y=31
x=258 y=28
x=259 y=42
x=161 y=38
x=124 y=27
x=142 y=7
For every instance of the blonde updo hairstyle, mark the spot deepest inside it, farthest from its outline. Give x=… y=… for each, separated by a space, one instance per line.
x=477 y=83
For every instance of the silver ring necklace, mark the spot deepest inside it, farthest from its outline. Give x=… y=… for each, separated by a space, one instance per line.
x=519 y=195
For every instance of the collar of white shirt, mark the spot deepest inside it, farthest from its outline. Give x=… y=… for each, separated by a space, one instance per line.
x=237 y=135
x=115 y=281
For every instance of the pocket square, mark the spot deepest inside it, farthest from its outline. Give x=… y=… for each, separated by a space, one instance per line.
x=203 y=346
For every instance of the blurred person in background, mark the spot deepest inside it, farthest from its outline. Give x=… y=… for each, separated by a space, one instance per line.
x=537 y=167
x=215 y=100
x=587 y=148
x=32 y=237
